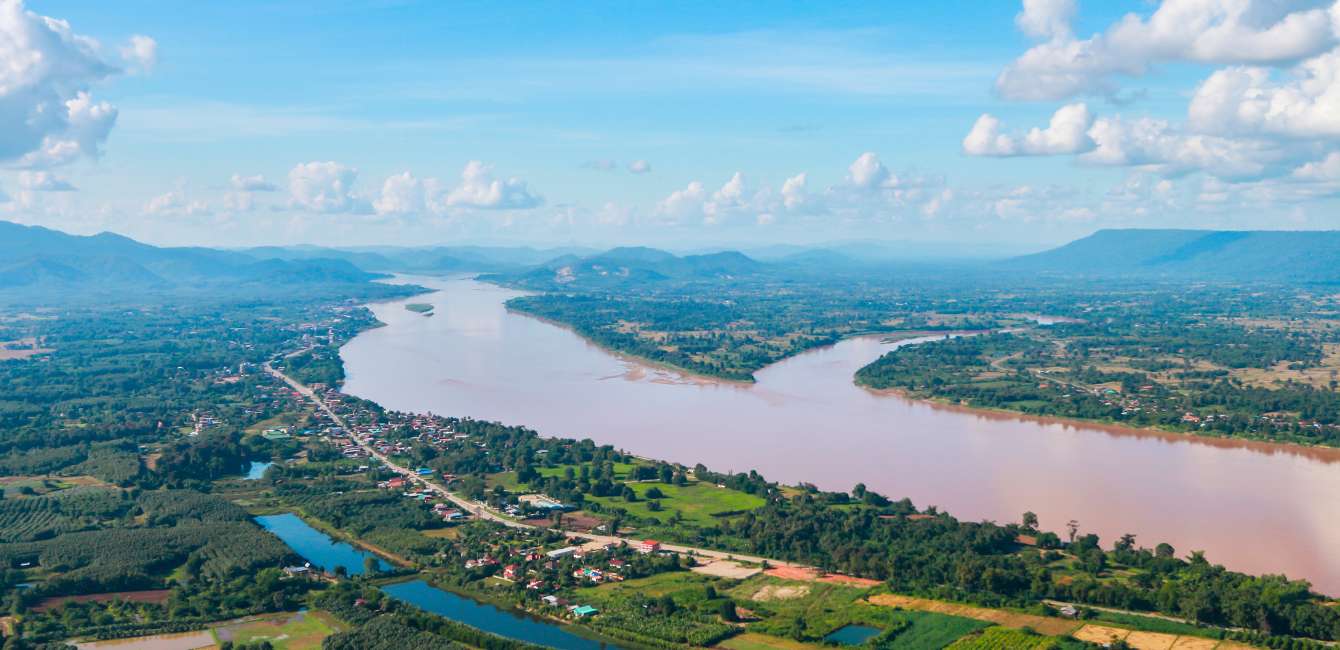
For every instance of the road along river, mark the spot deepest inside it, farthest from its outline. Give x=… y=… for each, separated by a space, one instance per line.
x=1254 y=507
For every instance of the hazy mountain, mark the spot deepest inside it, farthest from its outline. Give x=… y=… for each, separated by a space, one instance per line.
x=38 y=259
x=632 y=264
x=1268 y=255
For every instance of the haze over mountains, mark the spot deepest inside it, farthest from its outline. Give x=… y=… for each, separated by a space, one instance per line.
x=37 y=260
x=1265 y=255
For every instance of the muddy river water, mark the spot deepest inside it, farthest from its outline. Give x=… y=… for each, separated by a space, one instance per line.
x=1254 y=507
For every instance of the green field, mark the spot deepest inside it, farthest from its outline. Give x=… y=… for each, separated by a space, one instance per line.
x=755 y=641
x=655 y=586
x=301 y=631
x=1004 y=638
x=696 y=502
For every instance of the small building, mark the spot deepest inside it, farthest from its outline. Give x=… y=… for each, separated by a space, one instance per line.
x=583 y=611
x=423 y=471
x=561 y=552
x=649 y=546
x=511 y=571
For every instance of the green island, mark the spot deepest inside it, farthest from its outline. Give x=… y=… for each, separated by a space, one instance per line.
x=419 y=307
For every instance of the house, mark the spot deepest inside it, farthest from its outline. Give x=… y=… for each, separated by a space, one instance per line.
x=560 y=552
x=396 y=483
x=617 y=563
x=296 y=571
x=551 y=600
x=510 y=571
x=423 y=471
x=649 y=546
x=584 y=610
x=535 y=584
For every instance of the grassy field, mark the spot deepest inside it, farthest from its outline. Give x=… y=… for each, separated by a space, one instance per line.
x=655 y=586
x=755 y=641
x=1004 y=638
x=301 y=631
x=696 y=502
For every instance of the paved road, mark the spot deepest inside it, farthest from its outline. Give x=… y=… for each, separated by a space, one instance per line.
x=483 y=511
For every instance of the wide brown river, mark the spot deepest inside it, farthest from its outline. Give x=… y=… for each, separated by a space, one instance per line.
x=1253 y=507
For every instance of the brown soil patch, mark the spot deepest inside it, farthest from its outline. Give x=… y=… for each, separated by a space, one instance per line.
x=147 y=596
x=21 y=349
x=780 y=592
x=1150 y=640
x=807 y=574
x=1194 y=643
x=793 y=573
x=1100 y=634
x=726 y=569
x=1043 y=624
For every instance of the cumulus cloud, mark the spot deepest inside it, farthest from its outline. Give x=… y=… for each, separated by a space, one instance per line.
x=1168 y=150
x=639 y=167
x=684 y=202
x=401 y=194
x=46 y=114
x=1067 y=133
x=1326 y=169
x=794 y=196
x=1253 y=100
x=1046 y=18
x=175 y=203
x=479 y=189
x=325 y=187
x=255 y=183
x=140 y=53
x=1223 y=32
x=43 y=181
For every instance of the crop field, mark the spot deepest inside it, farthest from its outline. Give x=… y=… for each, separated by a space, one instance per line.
x=1043 y=624
x=697 y=503
x=300 y=631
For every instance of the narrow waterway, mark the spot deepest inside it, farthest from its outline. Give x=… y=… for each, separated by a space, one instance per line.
x=316 y=547
x=513 y=625
x=1254 y=507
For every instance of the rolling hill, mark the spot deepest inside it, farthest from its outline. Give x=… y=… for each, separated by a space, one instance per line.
x=1259 y=255
x=37 y=259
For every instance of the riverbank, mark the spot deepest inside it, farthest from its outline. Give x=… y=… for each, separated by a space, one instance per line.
x=805 y=420
x=1323 y=453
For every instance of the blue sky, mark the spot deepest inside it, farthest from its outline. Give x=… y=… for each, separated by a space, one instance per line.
x=281 y=122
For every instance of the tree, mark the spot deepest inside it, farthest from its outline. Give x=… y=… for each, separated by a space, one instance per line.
x=728 y=612
x=1072 y=528
x=1164 y=550
x=1030 y=521
x=370 y=566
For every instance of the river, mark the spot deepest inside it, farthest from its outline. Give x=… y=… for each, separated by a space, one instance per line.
x=1253 y=507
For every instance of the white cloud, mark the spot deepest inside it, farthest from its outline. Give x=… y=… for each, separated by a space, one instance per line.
x=684 y=202
x=1326 y=169
x=43 y=181
x=1259 y=32
x=255 y=183
x=1046 y=18
x=1067 y=133
x=46 y=114
x=401 y=194
x=639 y=167
x=175 y=203
x=1252 y=100
x=1167 y=150
x=794 y=196
x=868 y=172
x=140 y=53
x=478 y=189
x=325 y=187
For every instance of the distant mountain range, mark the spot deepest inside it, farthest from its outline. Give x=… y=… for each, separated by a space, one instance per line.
x=1259 y=255
x=631 y=265
x=38 y=259
x=43 y=261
